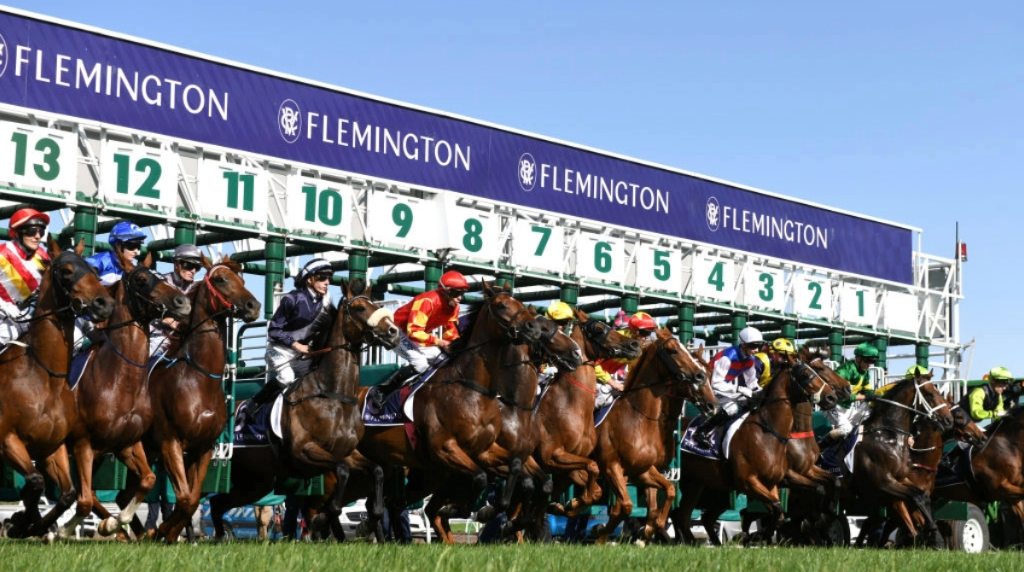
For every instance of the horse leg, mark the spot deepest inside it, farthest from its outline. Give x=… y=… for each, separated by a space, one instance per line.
x=84 y=458
x=770 y=497
x=444 y=531
x=623 y=507
x=682 y=517
x=134 y=457
x=187 y=480
x=456 y=459
x=657 y=513
x=333 y=507
x=562 y=460
x=58 y=468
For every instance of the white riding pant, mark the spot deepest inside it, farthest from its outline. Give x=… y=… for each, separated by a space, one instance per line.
x=419 y=357
x=604 y=395
x=11 y=330
x=845 y=419
x=286 y=363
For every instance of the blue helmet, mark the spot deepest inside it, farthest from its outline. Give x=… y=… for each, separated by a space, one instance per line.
x=125 y=231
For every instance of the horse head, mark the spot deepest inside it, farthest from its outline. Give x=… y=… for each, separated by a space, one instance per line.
x=964 y=426
x=366 y=321
x=682 y=370
x=148 y=296
x=929 y=401
x=560 y=349
x=75 y=286
x=809 y=382
x=604 y=342
x=815 y=355
x=510 y=319
x=227 y=292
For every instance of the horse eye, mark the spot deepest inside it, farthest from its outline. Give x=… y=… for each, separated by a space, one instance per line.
x=360 y=309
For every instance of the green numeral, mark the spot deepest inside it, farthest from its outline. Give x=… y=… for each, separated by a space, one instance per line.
x=767 y=294
x=816 y=300
x=603 y=257
x=545 y=234
x=716 y=277
x=860 y=303
x=148 y=165
x=662 y=267
x=49 y=169
x=324 y=208
x=473 y=241
x=402 y=216
x=248 y=190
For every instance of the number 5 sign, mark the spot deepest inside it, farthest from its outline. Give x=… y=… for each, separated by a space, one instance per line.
x=658 y=268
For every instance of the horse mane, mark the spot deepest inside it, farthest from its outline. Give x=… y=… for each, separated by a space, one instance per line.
x=469 y=317
x=232 y=265
x=813 y=350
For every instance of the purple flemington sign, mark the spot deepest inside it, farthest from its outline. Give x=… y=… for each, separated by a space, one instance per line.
x=60 y=69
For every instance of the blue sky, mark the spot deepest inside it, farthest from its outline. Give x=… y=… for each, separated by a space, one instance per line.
x=906 y=111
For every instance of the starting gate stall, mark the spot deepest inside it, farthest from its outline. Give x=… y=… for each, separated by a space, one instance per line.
x=268 y=168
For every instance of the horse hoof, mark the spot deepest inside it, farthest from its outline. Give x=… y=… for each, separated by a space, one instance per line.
x=556 y=508
x=547 y=487
x=108 y=526
x=486 y=514
x=599 y=529
x=49 y=537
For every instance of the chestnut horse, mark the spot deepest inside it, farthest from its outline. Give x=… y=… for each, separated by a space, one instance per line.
x=187 y=392
x=757 y=458
x=456 y=416
x=636 y=441
x=320 y=422
x=112 y=396
x=37 y=408
x=881 y=471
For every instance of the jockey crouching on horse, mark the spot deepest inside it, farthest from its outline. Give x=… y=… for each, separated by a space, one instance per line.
x=126 y=239
x=734 y=380
x=22 y=261
x=988 y=403
x=775 y=354
x=300 y=316
x=417 y=319
x=187 y=261
x=561 y=315
x=854 y=411
x=611 y=372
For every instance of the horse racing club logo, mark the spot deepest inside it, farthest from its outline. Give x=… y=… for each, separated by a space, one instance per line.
x=289 y=120
x=3 y=55
x=527 y=172
x=713 y=214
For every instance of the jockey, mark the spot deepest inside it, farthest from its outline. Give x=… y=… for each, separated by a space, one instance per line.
x=640 y=327
x=187 y=261
x=127 y=238
x=734 y=380
x=562 y=315
x=299 y=317
x=426 y=312
x=23 y=261
x=851 y=413
x=775 y=353
x=988 y=402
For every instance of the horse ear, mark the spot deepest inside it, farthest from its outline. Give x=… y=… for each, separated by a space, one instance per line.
x=356 y=286
x=79 y=248
x=506 y=287
x=488 y=290
x=206 y=261
x=148 y=261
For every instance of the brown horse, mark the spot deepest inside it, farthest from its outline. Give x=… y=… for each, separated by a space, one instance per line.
x=635 y=441
x=187 y=392
x=881 y=471
x=757 y=458
x=997 y=467
x=112 y=396
x=320 y=422
x=456 y=415
x=37 y=409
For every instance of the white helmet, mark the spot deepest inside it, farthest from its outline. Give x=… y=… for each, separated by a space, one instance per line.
x=751 y=335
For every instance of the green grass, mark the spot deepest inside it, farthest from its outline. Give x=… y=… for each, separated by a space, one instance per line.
x=356 y=557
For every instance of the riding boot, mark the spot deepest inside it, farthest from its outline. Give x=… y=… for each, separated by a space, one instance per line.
x=392 y=384
x=265 y=395
x=830 y=439
x=702 y=435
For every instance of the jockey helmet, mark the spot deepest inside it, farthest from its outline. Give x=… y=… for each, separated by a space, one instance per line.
x=751 y=335
x=559 y=311
x=27 y=217
x=314 y=266
x=187 y=252
x=1000 y=374
x=125 y=231
x=783 y=346
x=916 y=370
x=621 y=320
x=642 y=321
x=866 y=350
x=454 y=280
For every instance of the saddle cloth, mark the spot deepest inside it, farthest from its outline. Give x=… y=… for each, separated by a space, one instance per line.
x=601 y=414
x=397 y=409
x=959 y=471
x=78 y=364
x=721 y=437
x=837 y=460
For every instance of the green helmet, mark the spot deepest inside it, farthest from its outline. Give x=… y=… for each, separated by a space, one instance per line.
x=1000 y=374
x=866 y=350
x=916 y=370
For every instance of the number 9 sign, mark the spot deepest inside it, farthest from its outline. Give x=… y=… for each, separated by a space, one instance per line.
x=408 y=222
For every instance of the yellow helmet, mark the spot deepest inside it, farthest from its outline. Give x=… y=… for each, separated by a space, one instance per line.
x=1000 y=375
x=783 y=346
x=916 y=370
x=559 y=311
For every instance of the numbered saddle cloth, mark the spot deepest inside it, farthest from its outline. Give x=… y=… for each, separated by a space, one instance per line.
x=837 y=460
x=721 y=437
x=252 y=428
x=956 y=468
x=397 y=409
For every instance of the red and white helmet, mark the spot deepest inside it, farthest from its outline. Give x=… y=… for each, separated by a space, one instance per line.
x=642 y=321
x=24 y=216
x=454 y=280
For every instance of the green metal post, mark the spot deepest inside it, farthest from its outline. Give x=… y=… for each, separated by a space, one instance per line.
x=358 y=264
x=85 y=227
x=570 y=294
x=274 y=281
x=835 y=344
x=504 y=278
x=630 y=303
x=686 y=315
x=431 y=275
x=738 y=323
x=921 y=353
x=789 y=331
x=185 y=233
x=883 y=346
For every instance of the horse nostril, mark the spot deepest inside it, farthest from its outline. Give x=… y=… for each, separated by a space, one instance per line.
x=180 y=301
x=634 y=345
x=101 y=303
x=700 y=377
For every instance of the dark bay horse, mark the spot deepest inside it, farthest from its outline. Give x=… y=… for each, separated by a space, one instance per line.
x=758 y=458
x=112 y=396
x=881 y=470
x=456 y=415
x=37 y=408
x=320 y=422
x=187 y=393
x=635 y=441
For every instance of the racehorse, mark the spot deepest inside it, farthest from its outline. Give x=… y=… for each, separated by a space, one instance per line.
x=37 y=408
x=112 y=396
x=881 y=470
x=635 y=441
x=456 y=417
x=320 y=422
x=186 y=392
x=996 y=467
x=757 y=457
